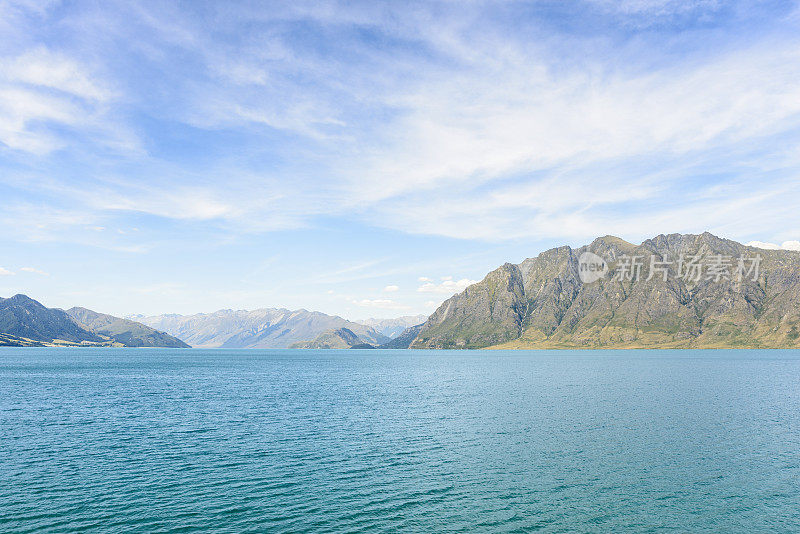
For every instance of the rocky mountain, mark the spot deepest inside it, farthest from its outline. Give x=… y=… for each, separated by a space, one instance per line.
x=124 y=331
x=341 y=338
x=678 y=291
x=26 y=322
x=263 y=328
x=392 y=328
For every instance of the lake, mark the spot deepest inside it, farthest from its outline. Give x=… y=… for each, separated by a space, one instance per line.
x=147 y=440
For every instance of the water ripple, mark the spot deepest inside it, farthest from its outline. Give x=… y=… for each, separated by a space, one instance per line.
x=282 y=441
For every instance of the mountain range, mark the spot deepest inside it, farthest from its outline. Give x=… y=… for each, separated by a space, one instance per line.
x=128 y=333
x=671 y=291
x=26 y=322
x=256 y=329
x=739 y=296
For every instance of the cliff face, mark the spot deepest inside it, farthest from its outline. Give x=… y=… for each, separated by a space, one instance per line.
x=544 y=303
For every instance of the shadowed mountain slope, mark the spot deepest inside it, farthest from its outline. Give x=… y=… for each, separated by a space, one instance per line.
x=23 y=317
x=26 y=322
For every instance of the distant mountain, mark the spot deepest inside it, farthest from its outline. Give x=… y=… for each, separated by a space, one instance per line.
x=263 y=328
x=124 y=331
x=392 y=328
x=341 y=338
x=26 y=322
x=404 y=340
x=24 y=318
x=548 y=302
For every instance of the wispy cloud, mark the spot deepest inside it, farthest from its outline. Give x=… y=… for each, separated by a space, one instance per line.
x=492 y=138
x=48 y=98
x=5 y=272
x=34 y=271
x=525 y=144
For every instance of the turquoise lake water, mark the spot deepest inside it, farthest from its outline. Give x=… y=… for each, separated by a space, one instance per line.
x=140 y=440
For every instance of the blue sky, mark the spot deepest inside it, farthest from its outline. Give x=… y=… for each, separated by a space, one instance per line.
x=370 y=159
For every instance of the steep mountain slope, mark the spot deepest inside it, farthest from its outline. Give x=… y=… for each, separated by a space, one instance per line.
x=341 y=338
x=124 y=331
x=263 y=328
x=392 y=328
x=543 y=302
x=23 y=317
x=487 y=313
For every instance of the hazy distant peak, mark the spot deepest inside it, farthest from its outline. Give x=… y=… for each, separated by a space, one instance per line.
x=260 y=328
x=395 y=326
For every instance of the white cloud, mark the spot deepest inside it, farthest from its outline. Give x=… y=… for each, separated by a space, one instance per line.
x=425 y=279
x=34 y=270
x=44 y=68
x=391 y=289
x=786 y=245
x=5 y=272
x=448 y=286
